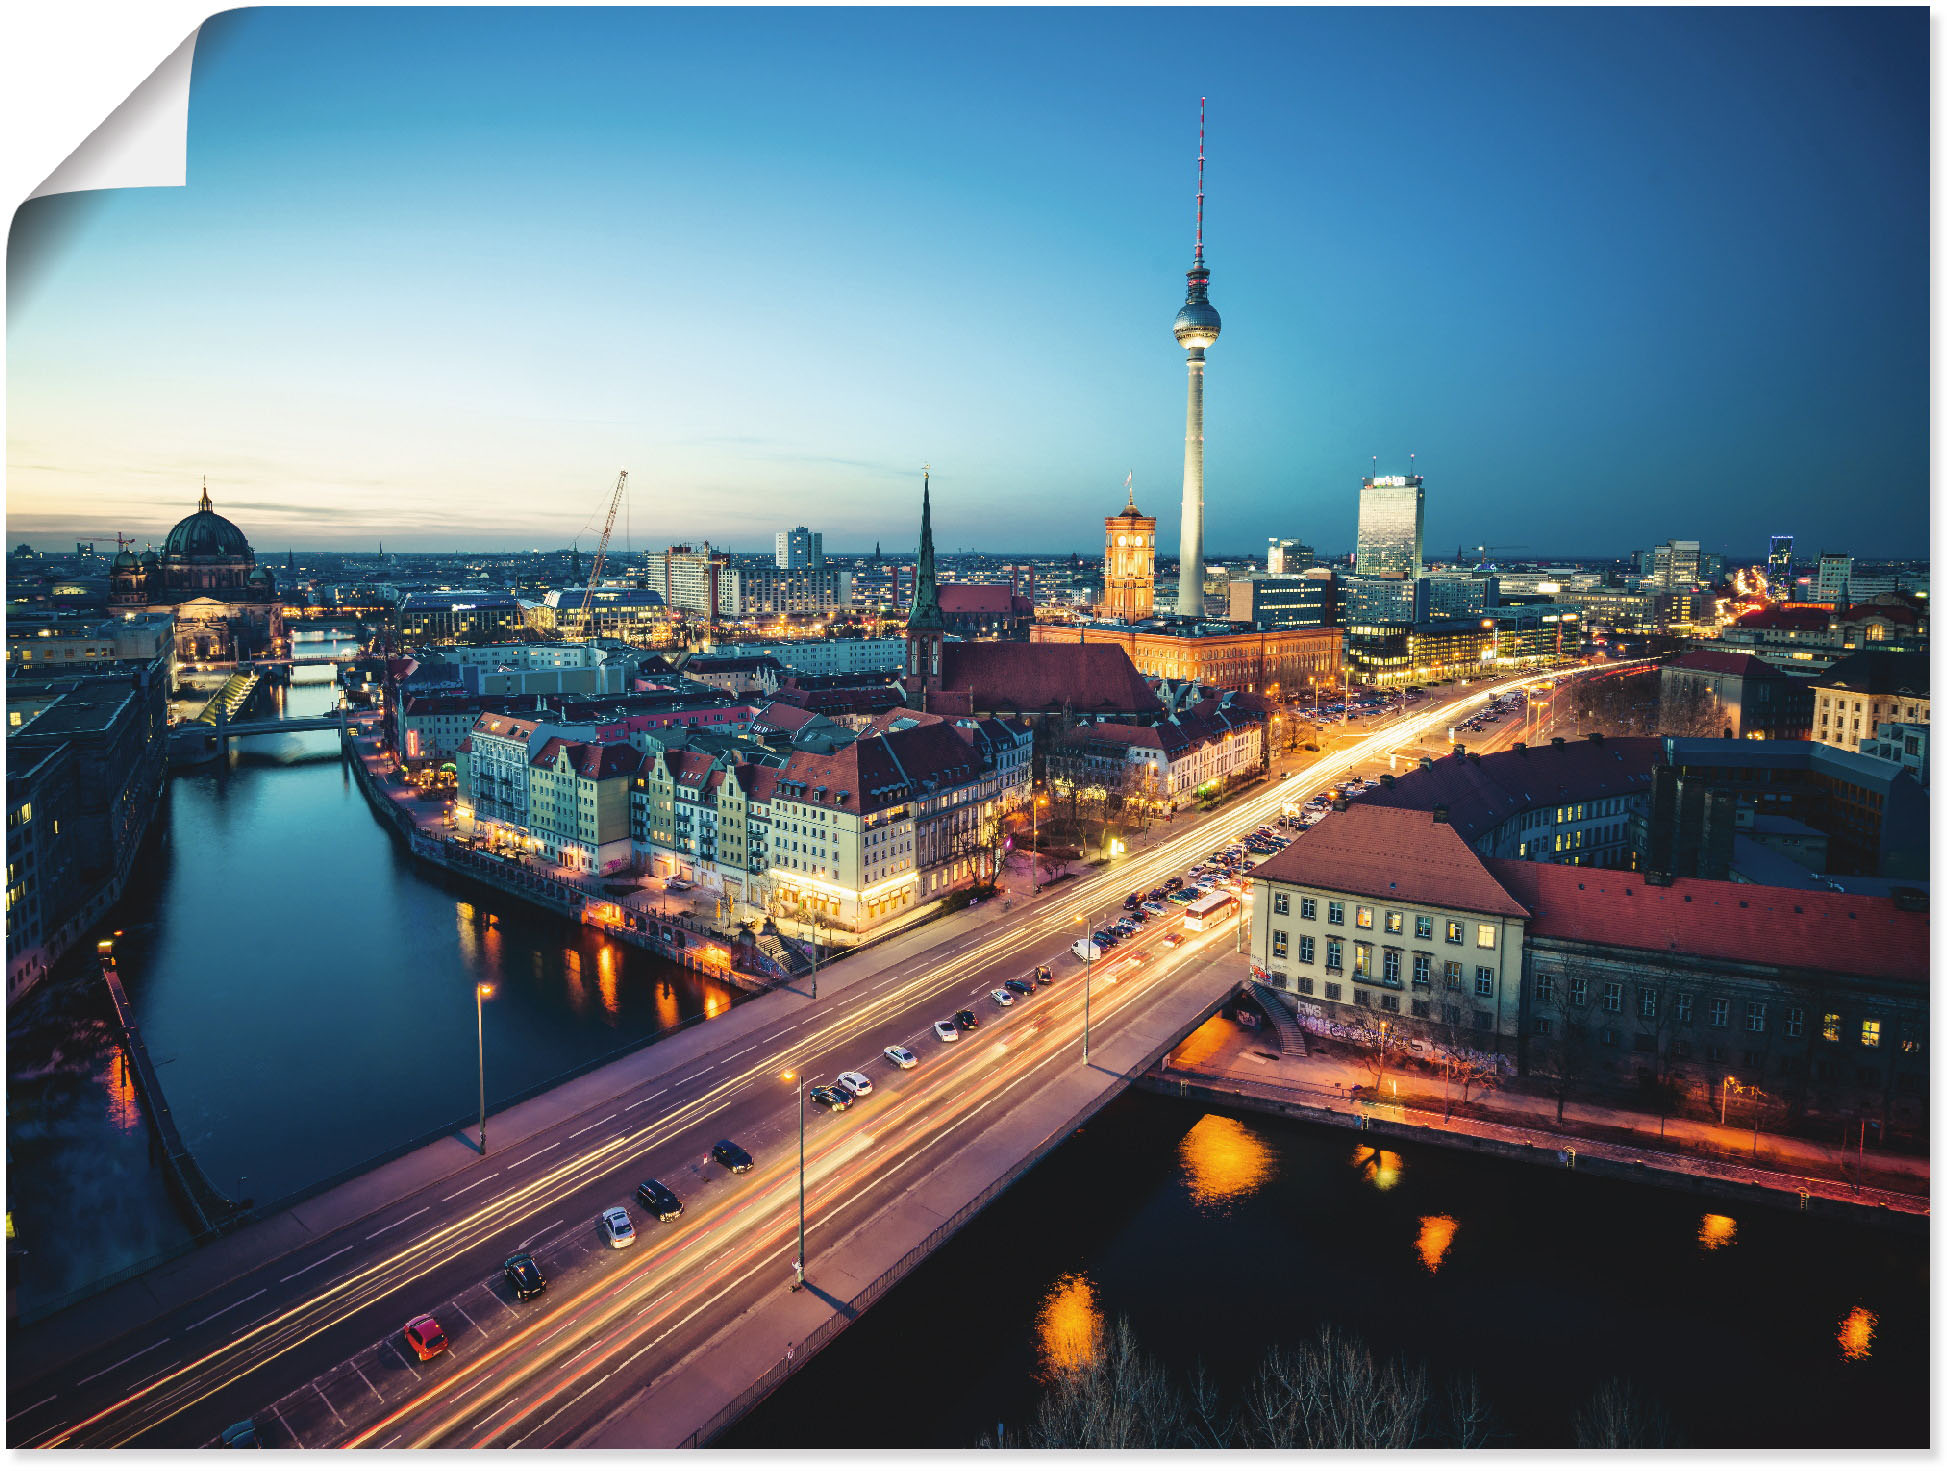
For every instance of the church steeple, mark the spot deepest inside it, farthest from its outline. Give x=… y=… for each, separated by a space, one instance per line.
x=925 y=624
x=204 y=503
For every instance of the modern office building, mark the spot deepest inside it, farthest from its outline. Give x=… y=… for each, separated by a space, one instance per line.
x=1778 y=567
x=1287 y=558
x=1392 y=526
x=1271 y=601
x=1835 y=578
x=1677 y=566
x=800 y=550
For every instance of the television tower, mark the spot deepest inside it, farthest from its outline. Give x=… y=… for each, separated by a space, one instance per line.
x=1197 y=326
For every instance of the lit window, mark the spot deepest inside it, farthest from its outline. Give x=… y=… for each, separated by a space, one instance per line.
x=1869 y=1033
x=1362 y=916
x=1830 y=1029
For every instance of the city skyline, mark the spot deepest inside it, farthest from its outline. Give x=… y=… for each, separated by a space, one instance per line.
x=394 y=305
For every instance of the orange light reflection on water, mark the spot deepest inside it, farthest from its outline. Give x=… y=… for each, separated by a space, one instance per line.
x=1436 y=1237
x=1715 y=1232
x=606 y=981
x=1223 y=1161
x=1069 y=1326
x=118 y=1079
x=1856 y=1334
x=1380 y=1167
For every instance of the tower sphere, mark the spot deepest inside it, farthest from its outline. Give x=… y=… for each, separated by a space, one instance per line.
x=1198 y=324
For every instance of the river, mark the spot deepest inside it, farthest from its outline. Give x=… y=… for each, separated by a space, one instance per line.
x=1220 y=1234
x=304 y=989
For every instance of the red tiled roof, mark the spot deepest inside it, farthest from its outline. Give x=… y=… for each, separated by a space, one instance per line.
x=982 y=597
x=1090 y=678
x=610 y=759
x=1799 y=929
x=1391 y=853
x=779 y=715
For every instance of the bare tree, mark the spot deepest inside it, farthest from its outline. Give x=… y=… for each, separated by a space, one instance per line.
x=1470 y=1423
x=1115 y=1398
x=1616 y=1417
x=1331 y=1393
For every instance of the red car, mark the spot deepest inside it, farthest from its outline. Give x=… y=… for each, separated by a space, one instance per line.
x=425 y=1337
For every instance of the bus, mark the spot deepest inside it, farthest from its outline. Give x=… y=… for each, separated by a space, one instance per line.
x=1210 y=911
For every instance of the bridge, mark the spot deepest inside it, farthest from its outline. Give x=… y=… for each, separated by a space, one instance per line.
x=197 y=741
x=297 y=1316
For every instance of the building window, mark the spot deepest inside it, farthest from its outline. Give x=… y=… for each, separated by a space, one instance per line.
x=1389 y=967
x=1545 y=989
x=1831 y=1026
x=1484 y=936
x=1683 y=1007
x=1483 y=1021
x=1794 y=1021
x=1334 y=954
x=1720 y=1012
x=1612 y=996
x=1578 y=991
x=1869 y=1033
x=1361 y=958
x=1909 y=1037
x=1423 y=970
x=1362 y=916
x=1333 y=990
x=1456 y=932
x=1307 y=907
x=1362 y=998
x=1304 y=985
x=1483 y=980
x=1646 y=1000
x=1423 y=927
x=1754 y=1016
x=1334 y=911
x=1395 y=922
x=1280 y=945
x=1306 y=949
x=1453 y=975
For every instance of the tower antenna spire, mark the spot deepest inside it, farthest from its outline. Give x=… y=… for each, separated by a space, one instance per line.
x=1201 y=101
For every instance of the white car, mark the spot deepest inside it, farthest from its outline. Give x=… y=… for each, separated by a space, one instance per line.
x=1001 y=998
x=617 y=1226
x=857 y=1084
x=946 y=1031
x=899 y=1057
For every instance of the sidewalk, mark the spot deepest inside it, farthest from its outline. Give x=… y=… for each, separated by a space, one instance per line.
x=1225 y=1055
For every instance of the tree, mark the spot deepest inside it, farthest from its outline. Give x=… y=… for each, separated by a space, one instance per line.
x=1616 y=1417
x=1114 y=1398
x=1332 y=1393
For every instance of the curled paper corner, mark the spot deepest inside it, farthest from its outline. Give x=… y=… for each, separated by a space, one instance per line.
x=144 y=143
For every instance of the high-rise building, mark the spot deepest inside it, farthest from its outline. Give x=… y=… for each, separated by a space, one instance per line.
x=695 y=581
x=1196 y=328
x=1128 y=564
x=1392 y=526
x=1287 y=558
x=1677 y=566
x=799 y=550
x=1835 y=578
x=1778 y=567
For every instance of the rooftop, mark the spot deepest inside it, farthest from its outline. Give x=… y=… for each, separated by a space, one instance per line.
x=1878 y=673
x=1392 y=853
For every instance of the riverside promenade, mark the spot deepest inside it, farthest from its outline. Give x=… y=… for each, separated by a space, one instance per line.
x=1234 y=1066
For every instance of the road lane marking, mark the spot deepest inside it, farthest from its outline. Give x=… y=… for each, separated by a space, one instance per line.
x=328 y=1404
x=493 y=1415
x=464 y=1188
x=536 y=1155
x=119 y=1362
x=369 y=1384
x=221 y=1311
x=401 y=1357
x=596 y=1125
x=538 y=1235
x=318 y=1263
x=295 y=1437
x=400 y=1222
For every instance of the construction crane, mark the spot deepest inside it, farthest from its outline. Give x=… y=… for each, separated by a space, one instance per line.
x=601 y=556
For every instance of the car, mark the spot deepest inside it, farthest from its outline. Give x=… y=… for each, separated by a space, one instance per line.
x=659 y=1200
x=1021 y=987
x=1132 y=901
x=835 y=1099
x=965 y=1020
x=1186 y=896
x=1104 y=939
x=617 y=1226
x=856 y=1084
x=1172 y=883
x=1155 y=907
x=1002 y=996
x=425 y=1337
x=524 y=1277
x=1156 y=894
x=1137 y=919
x=1172 y=940
x=899 y=1057
x=1044 y=973
x=946 y=1031
x=243 y=1436
x=733 y=1157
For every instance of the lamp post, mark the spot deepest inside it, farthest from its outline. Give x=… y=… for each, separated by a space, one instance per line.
x=804 y=908
x=1724 y=1097
x=1088 y=974
x=798 y=1266
x=480 y=994
x=1034 y=859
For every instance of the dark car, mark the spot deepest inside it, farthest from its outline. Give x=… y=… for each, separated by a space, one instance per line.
x=1132 y=901
x=966 y=1020
x=733 y=1157
x=1156 y=895
x=659 y=1200
x=1044 y=973
x=524 y=1277
x=1174 y=881
x=835 y=1099
x=243 y=1436
x=1105 y=939
x=1021 y=988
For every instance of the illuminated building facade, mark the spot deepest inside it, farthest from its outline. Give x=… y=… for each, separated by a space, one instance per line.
x=1285 y=663
x=1392 y=526
x=1128 y=565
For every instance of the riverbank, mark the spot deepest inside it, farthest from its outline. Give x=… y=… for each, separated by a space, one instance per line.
x=1230 y=1065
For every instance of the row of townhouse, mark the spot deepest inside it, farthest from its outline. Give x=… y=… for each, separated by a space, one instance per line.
x=1166 y=764
x=1385 y=928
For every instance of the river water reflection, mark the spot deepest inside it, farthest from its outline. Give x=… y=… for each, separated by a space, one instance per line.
x=307 y=995
x=1219 y=1235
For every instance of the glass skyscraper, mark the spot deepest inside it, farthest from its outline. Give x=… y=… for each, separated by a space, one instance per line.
x=1392 y=525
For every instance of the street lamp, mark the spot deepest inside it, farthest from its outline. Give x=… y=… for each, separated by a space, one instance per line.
x=480 y=994
x=804 y=908
x=1034 y=860
x=1724 y=1091
x=1088 y=974
x=798 y=1266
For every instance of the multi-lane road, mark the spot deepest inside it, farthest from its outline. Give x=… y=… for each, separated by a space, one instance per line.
x=309 y=1344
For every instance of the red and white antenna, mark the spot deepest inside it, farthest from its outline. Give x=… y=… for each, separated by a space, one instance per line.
x=1200 y=110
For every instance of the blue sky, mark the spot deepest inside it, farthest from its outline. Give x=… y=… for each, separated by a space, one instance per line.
x=1613 y=277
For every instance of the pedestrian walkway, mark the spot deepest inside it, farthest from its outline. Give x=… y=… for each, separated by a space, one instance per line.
x=1225 y=1055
